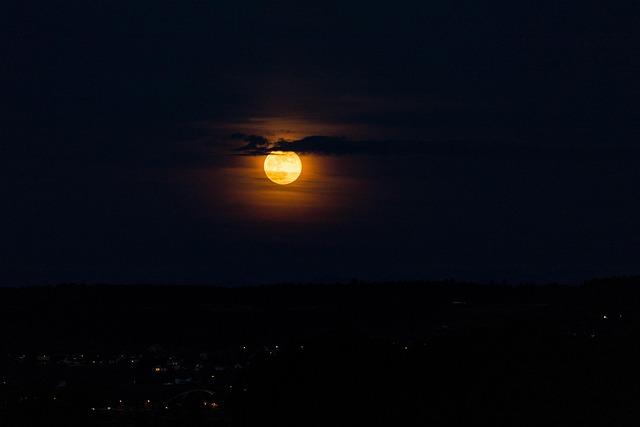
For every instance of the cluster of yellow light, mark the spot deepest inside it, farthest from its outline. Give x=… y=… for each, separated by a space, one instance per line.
x=282 y=167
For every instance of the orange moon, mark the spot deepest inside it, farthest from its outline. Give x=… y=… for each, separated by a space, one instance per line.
x=282 y=167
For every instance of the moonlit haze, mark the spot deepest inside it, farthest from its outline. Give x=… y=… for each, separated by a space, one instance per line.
x=439 y=140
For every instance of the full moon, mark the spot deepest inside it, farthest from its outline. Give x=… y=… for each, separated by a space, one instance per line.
x=282 y=167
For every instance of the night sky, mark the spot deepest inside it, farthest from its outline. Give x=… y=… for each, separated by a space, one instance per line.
x=443 y=139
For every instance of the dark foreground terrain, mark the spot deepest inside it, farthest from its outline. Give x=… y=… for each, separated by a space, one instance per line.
x=412 y=354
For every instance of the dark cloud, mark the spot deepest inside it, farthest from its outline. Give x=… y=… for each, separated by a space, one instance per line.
x=254 y=143
x=339 y=146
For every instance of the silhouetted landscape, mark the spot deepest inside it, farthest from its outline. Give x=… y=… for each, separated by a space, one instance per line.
x=441 y=354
